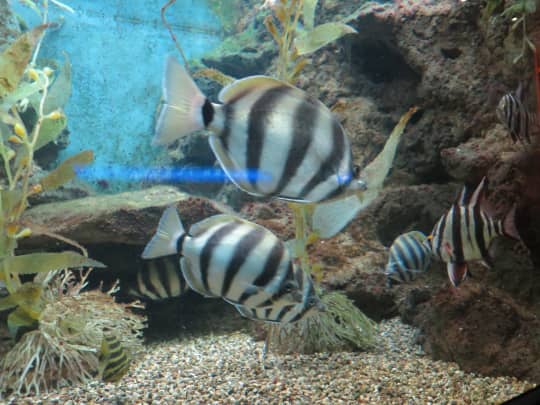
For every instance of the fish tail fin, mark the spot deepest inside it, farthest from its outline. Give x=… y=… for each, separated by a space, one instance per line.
x=457 y=272
x=185 y=108
x=509 y=224
x=165 y=240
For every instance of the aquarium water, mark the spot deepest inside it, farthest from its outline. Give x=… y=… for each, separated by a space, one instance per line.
x=117 y=49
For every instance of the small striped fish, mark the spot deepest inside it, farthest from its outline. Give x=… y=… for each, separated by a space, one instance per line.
x=159 y=279
x=410 y=254
x=465 y=232
x=514 y=116
x=228 y=257
x=114 y=361
x=287 y=313
x=293 y=144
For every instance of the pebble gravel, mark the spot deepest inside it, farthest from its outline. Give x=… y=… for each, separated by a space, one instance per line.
x=228 y=369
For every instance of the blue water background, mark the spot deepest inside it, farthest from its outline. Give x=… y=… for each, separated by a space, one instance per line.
x=117 y=49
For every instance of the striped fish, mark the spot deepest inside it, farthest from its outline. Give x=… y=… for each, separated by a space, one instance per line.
x=465 y=233
x=114 y=360
x=513 y=114
x=228 y=257
x=159 y=279
x=287 y=313
x=410 y=254
x=270 y=138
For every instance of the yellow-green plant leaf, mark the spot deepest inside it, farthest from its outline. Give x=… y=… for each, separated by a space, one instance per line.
x=25 y=90
x=310 y=41
x=20 y=320
x=271 y=27
x=60 y=90
x=43 y=262
x=309 y=14
x=49 y=131
x=7 y=303
x=15 y=58
x=66 y=171
x=10 y=200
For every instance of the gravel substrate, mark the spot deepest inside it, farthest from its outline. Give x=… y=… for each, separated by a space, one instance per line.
x=227 y=369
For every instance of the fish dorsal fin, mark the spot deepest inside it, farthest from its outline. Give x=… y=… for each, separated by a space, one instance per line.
x=169 y=230
x=479 y=195
x=520 y=92
x=461 y=199
x=247 y=84
x=205 y=224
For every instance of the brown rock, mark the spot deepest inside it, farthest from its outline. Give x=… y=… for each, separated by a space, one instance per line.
x=482 y=329
x=128 y=218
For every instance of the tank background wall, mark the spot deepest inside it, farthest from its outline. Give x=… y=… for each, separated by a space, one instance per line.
x=117 y=49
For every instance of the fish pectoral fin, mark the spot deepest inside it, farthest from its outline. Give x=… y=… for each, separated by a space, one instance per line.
x=457 y=272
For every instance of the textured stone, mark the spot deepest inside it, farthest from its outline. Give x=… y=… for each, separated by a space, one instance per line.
x=127 y=218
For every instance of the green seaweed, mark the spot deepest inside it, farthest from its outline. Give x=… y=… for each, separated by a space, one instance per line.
x=518 y=10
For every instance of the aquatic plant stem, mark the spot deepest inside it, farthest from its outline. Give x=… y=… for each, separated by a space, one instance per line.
x=171 y=32
x=30 y=146
x=44 y=22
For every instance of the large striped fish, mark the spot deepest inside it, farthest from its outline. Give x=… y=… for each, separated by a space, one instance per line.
x=409 y=255
x=513 y=114
x=228 y=257
x=288 y=313
x=465 y=232
x=158 y=279
x=271 y=138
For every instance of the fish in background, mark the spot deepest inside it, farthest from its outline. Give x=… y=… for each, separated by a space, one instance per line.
x=410 y=254
x=520 y=123
x=465 y=232
x=3 y=289
x=294 y=145
x=228 y=257
x=288 y=313
x=158 y=279
x=114 y=361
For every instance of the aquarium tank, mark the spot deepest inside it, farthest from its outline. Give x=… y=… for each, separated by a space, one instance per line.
x=269 y=201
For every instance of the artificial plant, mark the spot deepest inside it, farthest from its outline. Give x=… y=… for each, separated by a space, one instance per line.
x=50 y=317
x=342 y=324
x=518 y=10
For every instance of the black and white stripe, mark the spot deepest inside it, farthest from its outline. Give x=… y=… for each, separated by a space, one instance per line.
x=293 y=141
x=519 y=122
x=159 y=279
x=465 y=232
x=287 y=313
x=410 y=254
x=242 y=262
